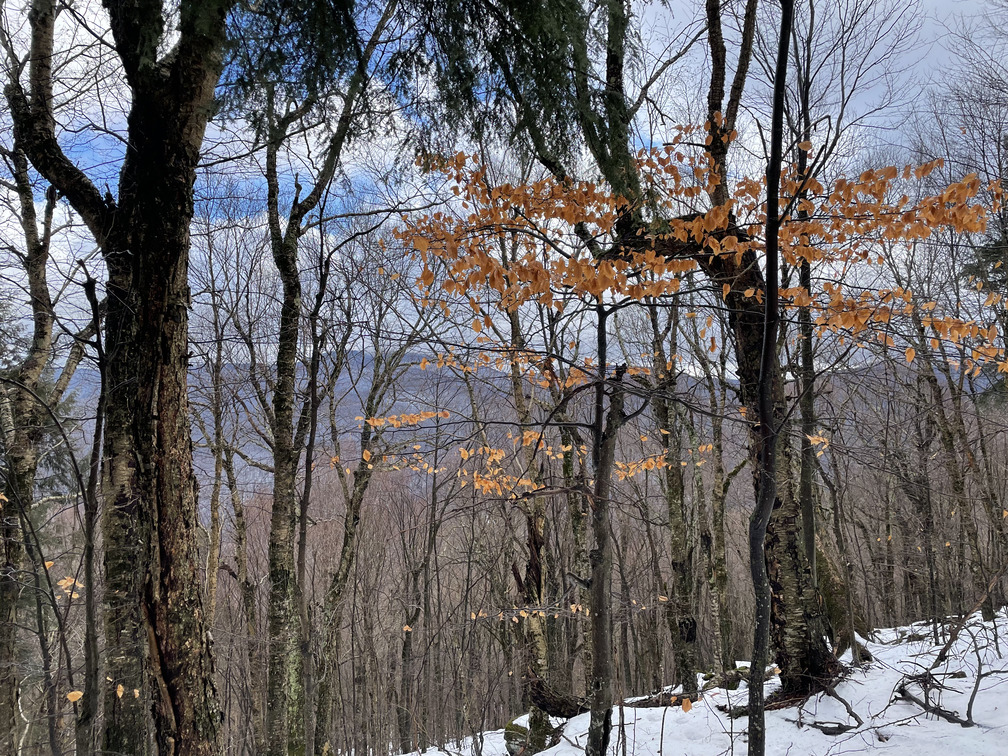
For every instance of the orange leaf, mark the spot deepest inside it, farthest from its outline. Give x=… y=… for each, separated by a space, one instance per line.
x=910 y=354
x=686 y=705
x=74 y=696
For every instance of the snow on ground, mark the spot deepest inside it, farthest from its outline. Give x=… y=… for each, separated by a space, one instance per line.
x=892 y=727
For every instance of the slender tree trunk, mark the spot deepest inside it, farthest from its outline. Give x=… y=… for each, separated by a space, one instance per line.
x=713 y=541
x=50 y=705
x=17 y=496
x=533 y=583
x=288 y=720
x=577 y=509
x=217 y=411
x=681 y=617
x=806 y=372
x=606 y=427
x=420 y=607
x=307 y=658
x=21 y=431
x=332 y=608
x=890 y=589
x=628 y=636
x=719 y=563
x=766 y=462
x=86 y=720
x=405 y=716
x=806 y=404
x=283 y=678
x=247 y=587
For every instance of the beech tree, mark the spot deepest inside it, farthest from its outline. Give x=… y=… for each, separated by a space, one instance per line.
x=454 y=470
x=766 y=404
x=847 y=223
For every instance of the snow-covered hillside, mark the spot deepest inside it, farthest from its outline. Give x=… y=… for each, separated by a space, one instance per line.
x=970 y=685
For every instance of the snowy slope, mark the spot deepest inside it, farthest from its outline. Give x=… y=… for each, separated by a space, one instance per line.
x=892 y=727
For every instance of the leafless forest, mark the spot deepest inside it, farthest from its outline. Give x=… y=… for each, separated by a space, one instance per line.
x=372 y=374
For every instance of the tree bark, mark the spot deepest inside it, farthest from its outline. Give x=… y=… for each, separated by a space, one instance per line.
x=680 y=614
x=282 y=626
x=332 y=608
x=247 y=587
x=606 y=427
x=156 y=635
x=532 y=584
x=766 y=440
x=22 y=423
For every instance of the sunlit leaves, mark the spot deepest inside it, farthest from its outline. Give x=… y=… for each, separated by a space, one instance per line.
x=565 y=240
x=404 y=419
x=69 y=586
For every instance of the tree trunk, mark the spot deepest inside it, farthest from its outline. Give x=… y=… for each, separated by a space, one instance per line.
x=156 y=635
x=764 y=444
x=332 y=608
x=577 y=509
x=247 y=588
x=681 y=617
x=532 y=584
x=21 y=430
x=806 y=403
x=719 y=561
x=606 y=427
x=283 y=679
x=17 y=495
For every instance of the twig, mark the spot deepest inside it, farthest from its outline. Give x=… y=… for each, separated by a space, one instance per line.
x=830 y=728
x=943 y=654
x=949 y=716
x=831 y=692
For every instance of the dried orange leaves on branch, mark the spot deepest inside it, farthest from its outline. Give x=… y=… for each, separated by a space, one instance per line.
x=546 y=241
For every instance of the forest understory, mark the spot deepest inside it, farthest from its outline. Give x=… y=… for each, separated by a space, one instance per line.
x=913 y=697
x=375 y=375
